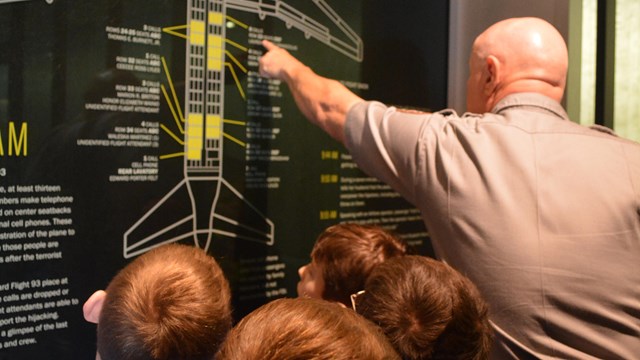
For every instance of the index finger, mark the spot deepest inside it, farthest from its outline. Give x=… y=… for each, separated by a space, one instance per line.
x=269 y=45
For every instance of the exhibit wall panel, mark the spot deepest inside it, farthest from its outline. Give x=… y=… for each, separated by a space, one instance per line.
x=126 y=125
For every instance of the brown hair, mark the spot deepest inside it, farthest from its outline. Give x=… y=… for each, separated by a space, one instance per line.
x=304 y=328
x=172 y=302
x=427 y=309
x=347 y=253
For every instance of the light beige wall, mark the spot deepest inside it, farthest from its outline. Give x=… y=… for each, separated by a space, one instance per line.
x=581 y=81
x=622 y=109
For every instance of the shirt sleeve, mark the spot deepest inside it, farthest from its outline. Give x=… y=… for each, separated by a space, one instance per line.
x=384 y=142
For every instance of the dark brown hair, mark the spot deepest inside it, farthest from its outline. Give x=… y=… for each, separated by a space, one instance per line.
x=427 y=309
x=170 y=303
x=304 y=328
x=347 y=253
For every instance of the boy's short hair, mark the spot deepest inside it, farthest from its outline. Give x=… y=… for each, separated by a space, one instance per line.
x=427 y=309
x=170 y=303
x=305 y=328
x=348 y=252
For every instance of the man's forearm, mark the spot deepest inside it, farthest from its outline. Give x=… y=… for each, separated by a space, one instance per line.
x=325 y=102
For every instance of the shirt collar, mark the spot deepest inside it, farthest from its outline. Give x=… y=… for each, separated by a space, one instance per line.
x=530 y=100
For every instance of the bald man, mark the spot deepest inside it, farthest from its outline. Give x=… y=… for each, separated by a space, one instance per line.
x=541 y=213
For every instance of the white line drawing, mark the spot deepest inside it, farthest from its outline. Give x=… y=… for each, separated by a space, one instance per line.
x=203 y=182
x=310 y=27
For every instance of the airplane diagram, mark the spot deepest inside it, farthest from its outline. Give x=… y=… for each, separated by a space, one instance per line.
x=202 y=124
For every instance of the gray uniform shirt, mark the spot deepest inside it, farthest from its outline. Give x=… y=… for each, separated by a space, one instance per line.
x=541 y=213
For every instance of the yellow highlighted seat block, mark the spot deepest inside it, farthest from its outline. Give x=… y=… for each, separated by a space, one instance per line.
x=213 y=127
x=193 y=154
x=216 y=18
x=196 y=31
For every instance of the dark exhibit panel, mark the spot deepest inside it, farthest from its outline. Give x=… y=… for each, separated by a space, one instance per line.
x=126 y=125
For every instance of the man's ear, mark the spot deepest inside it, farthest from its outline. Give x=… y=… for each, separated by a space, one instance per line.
x=492 y=73
x=93 y=306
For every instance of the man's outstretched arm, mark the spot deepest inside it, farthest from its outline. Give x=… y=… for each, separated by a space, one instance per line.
x=325 y=102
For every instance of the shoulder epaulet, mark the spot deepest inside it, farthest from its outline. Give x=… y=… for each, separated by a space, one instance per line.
x=603 y=129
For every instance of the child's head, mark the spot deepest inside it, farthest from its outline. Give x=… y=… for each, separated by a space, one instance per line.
x=427 y=309
x=305 y=329
x=172 y=302
x=343 y=257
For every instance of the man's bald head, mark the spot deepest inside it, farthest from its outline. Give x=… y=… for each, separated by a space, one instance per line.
x=516 y=55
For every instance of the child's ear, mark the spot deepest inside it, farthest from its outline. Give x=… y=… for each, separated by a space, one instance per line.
x=93 y=306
